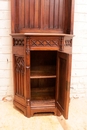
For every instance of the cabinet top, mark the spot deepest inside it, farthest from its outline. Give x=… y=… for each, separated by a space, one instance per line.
x=41 y=34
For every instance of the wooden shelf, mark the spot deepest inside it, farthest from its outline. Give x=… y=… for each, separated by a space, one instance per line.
x=41 y=74
x=50 y=76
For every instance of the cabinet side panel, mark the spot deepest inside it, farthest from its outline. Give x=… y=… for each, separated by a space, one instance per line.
x=69 y=9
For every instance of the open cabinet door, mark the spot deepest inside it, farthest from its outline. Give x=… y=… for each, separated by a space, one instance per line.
x=63 y=82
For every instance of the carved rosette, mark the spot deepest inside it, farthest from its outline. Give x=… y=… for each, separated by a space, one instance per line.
x=18 y=42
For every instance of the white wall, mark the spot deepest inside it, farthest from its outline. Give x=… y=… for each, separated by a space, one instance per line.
x=79 y=58
x=6 y=85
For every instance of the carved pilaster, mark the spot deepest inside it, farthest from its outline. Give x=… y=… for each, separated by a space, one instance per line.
x=68 y=44
x=61 y=43
x=27 y=46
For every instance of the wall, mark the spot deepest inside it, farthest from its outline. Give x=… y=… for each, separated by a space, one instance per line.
x=6 y=85
x=79 y=58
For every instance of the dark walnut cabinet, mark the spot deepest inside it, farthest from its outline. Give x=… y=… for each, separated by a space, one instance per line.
x=42 y=32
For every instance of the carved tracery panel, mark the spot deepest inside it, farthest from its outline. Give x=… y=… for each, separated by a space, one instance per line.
x=19 y=75
x=68 y=42
x=18 y=42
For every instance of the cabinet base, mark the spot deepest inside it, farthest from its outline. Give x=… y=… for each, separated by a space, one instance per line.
x=30 y=111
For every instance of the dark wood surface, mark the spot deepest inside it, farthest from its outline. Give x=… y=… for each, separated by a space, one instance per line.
x=42 y=16
x=63 y=82
x=42 y=33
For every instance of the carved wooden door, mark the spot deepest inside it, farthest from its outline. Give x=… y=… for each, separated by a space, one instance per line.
x=19 y=70
x=63 y=83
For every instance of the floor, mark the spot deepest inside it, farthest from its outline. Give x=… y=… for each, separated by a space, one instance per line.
x=12 y=119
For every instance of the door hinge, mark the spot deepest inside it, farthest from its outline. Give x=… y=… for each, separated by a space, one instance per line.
x=67 y=86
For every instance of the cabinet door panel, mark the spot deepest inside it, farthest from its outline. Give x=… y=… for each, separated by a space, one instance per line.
x=63 y=82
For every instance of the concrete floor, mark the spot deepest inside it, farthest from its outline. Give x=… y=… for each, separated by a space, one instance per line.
x=12 y=119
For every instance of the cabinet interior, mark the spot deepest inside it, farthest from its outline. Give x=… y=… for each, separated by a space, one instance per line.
x=43 y=74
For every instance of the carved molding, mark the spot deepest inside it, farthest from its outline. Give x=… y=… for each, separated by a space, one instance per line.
x=18 y=42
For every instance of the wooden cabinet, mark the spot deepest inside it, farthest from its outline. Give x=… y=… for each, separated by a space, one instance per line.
x=42 y=50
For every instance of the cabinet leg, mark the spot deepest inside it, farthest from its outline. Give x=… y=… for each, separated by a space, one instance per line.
x=58 y=112
x=28 y=111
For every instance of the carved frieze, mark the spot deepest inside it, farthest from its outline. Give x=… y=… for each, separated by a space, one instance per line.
x=44 y=43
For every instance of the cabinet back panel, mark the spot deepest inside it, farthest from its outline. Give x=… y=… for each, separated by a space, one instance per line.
x=43 y=62
x=43 y=89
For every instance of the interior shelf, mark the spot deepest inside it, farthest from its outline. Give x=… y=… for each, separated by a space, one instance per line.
x=41 y=74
